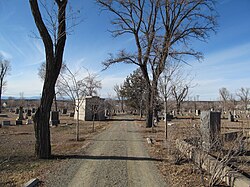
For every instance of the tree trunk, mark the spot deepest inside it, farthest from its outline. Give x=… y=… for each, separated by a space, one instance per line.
x=54 y=57
x=122 y=105
x=93 y=123
x=149 y=108
x=1 y=99
x=41 y=121
x=1 y=90
x=178 y=107
x=77 y=125
x=55 y=102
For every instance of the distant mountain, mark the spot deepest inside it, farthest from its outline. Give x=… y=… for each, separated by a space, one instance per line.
x=17 y=98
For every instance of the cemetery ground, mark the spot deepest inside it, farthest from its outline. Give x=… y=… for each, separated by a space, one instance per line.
x=180 y=170
x=17 y=161
x=18 y=164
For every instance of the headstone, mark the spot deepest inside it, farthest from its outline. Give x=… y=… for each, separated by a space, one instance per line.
x=11 y=110
x=235 y=115
x=29 y=121
x=54 y=118
x=33 y=110
x=19 y=122
x=28 y=112
x=4 y=116
x=64 y=111
x=210 y=130
x=5 y=123
x=17 y=111
x=20 y=116
x=230 y=117
x=197 y=112
x=71 y=114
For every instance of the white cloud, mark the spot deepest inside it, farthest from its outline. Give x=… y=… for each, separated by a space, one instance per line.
x=108 y=83
x=30 y=87
x=226 y=68
x=6 y=55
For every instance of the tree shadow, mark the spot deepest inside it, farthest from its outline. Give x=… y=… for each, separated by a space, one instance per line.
x=115 y=140
x=91 y=157
x=125 y=119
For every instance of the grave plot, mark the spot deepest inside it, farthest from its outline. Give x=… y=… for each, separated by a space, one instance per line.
x=177 y=167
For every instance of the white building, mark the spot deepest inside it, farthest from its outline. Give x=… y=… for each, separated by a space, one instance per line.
x=91 y=106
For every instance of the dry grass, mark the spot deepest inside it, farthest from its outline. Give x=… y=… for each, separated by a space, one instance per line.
x=185 y=172
x=17 y=161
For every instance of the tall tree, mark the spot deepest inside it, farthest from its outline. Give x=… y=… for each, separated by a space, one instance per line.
x=134 y=89
x=227 y=99
x=179 y=93
x=120 y=96
x=41 y=74
x=244 y=95
x=4 y=70
x=92 y=84
x=161 y=30
x=54 y=56
x=71 y=84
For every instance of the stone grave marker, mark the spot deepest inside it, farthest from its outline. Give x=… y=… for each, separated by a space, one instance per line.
x=71 y=114
x=19 y=122
x=64 y=111
x=5 y=123
x=29 y=121
x=210 y=130
x=17 y=111
x=33 y=110
x=230 y=117
x=29 y=112
x=20 y=115
x=54 y=118
x=197 y=112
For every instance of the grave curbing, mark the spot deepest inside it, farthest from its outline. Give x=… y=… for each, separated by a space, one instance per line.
x=32 y=183
x=232 y=178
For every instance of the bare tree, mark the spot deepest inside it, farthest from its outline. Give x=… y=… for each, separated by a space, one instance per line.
x=41 y=74
x=109 y=105
x=228 y=100
x=97 y=107
x=54 y=56
x=179 y=93
x=92 y=84
x=244 y=95
x=161 y=30
x=120 y=96
x=181 y=82
x=165 y=87
x=72 y=85
x=4 y=71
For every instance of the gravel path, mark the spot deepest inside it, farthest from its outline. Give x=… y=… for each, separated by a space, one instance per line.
x=117 y=157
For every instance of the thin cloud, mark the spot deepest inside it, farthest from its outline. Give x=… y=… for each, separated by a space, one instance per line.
x=6 y=55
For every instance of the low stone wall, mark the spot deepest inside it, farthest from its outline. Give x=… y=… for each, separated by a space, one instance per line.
x=230 y=136
x=210 y=164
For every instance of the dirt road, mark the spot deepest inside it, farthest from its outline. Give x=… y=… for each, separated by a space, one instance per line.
x=117 y=157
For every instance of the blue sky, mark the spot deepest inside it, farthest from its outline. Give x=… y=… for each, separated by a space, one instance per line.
x=226 y=63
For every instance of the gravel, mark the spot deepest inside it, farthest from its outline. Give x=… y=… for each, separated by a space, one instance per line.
x=116 y=157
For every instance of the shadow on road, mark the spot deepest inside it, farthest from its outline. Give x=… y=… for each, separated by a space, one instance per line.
x=90 y=157
x=125 y=119
x=114 y=140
